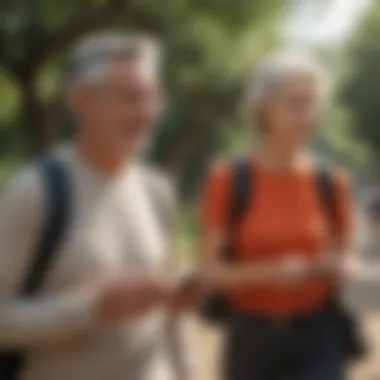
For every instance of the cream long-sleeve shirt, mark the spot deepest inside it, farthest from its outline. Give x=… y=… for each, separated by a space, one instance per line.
x=114 y=229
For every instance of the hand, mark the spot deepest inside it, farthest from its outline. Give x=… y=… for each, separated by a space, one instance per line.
x=131 y=296
x=188 y=292
x=293 y=270
x=353 y=269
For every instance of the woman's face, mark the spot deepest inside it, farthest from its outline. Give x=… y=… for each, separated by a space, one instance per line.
x=292 y=115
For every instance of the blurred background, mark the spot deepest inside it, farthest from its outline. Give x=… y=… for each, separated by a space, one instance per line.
x=211 y=48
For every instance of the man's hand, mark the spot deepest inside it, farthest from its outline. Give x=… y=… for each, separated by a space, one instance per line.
x=128 y=297
x=188 y=292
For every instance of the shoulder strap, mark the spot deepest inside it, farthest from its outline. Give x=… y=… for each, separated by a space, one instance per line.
x=325 y=188
x=56 y=183
x=242 y=188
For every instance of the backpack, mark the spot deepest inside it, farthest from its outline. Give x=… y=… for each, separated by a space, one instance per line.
x=56 y=183
x=216 y=307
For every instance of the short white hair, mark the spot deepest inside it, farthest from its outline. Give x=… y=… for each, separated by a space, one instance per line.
x=90 y=58
x=276 y=70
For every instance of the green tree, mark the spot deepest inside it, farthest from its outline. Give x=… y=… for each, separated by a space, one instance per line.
x=210 y=47
x=360 y=92
x=32 y=35
x=200 y=37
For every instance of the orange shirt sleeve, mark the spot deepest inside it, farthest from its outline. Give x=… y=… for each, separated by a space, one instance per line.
x=216 y=198
x=344 y=215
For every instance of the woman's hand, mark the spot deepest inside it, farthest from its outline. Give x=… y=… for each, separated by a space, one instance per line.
x=293 y=270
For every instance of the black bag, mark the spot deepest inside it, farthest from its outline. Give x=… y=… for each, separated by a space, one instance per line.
x=57 y=188
x=354 y=342
x=216 y=307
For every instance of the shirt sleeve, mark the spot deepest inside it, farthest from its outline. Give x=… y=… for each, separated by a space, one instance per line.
x=215 y=199
x=35 y=321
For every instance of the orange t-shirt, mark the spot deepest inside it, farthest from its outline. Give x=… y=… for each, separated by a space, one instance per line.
x=285 y=216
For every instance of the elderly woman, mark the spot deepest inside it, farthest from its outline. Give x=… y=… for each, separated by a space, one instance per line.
x=287 y=243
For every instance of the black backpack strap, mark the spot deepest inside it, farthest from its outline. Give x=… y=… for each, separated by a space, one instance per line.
x=242 y=187
x=57 y=187
x=326 y=191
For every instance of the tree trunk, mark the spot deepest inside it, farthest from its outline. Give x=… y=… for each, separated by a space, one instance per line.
x=40 y=136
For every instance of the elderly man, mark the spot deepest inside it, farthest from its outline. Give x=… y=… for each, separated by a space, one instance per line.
x=100 y=312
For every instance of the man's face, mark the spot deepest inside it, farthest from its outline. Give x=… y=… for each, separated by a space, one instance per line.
x=122 y=109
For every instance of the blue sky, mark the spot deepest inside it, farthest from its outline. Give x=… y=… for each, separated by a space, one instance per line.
x=323 y=21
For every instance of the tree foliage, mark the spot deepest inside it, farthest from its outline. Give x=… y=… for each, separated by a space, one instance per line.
x=209 y=45
x=360 y=92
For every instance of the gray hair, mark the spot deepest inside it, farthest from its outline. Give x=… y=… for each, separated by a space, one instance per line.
x=90 y=58
x=277 y=70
